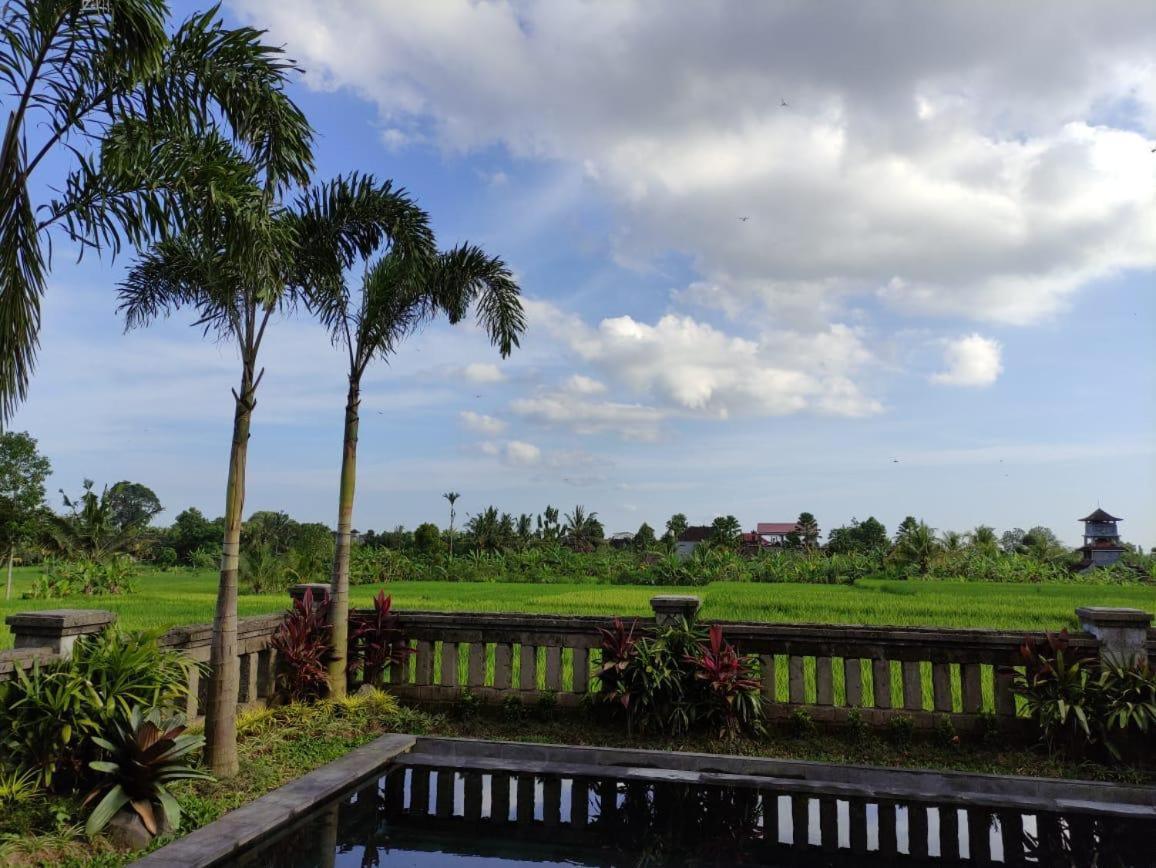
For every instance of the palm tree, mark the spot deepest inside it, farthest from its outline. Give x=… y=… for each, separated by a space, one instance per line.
x=452 y=497
x=808 y=530
x=983 y=537
x=917 y=546
x=405 y=289
x=106 y=78
x=951 y=541
x=582 y=531
x=236 y=273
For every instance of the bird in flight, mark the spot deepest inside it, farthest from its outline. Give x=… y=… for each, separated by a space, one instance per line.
x=744 y=219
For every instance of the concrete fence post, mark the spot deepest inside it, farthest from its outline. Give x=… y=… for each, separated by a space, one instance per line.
x=56 y=629
x=1123 y=633
x=668 y=608
x=320 y=592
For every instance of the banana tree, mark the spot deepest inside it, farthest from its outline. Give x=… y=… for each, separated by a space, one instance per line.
x=399 y=294
x=236 y=273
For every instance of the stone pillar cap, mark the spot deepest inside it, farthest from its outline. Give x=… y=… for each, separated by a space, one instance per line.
x=59 y=620
x=675 y=598
x=1109 y=616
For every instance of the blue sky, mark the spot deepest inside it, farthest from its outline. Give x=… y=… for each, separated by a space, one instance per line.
x=942 y=303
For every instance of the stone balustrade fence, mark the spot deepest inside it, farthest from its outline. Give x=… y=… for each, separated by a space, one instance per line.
x=827 y=670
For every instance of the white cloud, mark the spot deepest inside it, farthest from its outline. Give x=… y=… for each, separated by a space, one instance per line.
x=482 y=423
x=957 y=159
x=483 y=372
x=585 y=385
x=698 y=369
x=972 y=360
x=630 y=421
x=521 y=453
x=516 y=453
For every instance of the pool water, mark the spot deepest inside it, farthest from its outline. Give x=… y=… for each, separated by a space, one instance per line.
x=422 y=816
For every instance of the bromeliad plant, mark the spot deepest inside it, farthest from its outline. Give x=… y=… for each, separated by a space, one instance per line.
x=375 y=642
x=144 y=755
x=302 y=646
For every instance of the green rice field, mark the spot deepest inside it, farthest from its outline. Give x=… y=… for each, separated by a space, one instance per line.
x=165 y=599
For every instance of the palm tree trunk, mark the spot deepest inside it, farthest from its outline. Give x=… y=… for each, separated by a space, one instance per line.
x=224 y=665
x=11 y=557
x=339 y=590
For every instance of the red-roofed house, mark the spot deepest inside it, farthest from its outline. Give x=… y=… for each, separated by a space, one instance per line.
x=774 y=533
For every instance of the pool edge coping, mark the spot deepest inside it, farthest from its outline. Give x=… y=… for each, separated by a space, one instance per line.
x=246 y=826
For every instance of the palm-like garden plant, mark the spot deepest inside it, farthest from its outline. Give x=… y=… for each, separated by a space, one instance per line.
x=236 y=273
x=401 y=292
x=140 y=119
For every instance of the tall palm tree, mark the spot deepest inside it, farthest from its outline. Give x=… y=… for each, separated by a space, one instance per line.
x=917 y=547
x=236 y=273
x=452 y=497
x=131 y=120
x=582 y=530
x=400 y=293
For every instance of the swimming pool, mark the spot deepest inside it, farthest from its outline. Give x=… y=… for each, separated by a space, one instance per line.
x=457 y=803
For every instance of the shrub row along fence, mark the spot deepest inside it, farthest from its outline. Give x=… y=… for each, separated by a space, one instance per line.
x=826 y=670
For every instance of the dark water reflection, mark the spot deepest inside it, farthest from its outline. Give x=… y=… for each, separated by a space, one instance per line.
x=426 y=817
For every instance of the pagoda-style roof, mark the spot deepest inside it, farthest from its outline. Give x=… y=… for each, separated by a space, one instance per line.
x=1100 y=515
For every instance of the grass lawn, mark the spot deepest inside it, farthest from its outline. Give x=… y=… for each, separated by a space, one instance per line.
x=164 y=599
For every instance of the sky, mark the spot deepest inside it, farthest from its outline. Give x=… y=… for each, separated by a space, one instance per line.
x=859 y=259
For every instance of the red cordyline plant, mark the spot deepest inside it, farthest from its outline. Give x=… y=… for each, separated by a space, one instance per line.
x=618 y=643
x=375 y=642
x=302 y=646
x=735 y=702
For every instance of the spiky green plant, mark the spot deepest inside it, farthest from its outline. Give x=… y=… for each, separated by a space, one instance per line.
x=146 y=753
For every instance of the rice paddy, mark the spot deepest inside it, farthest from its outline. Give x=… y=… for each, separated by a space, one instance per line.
x=165 y=599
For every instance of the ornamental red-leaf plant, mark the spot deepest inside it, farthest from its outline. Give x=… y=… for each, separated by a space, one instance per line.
x=733 y=699
x=302 y=646
x=618 y=647
x=375 y=641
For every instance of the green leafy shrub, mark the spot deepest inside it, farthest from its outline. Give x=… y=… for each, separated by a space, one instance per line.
x=679 y=677
x=49 y=715
x=801 y=724
x=856 y=728
x=113 y=575
x=143 y=754
x=1084 y=705
x=466 y=706
x=944 y=731
x=18 y=785
x=901 y=730
x=206 y=557
x=547 y=706
x=512 y=709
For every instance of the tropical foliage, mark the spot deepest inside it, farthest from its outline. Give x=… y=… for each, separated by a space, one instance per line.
x=679 y=677
x=51 y=714
x=302 y=645
x=143 y=754
x=1085 y=705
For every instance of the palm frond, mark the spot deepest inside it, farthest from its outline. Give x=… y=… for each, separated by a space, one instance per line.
x=22 y=280
x=466 y=276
